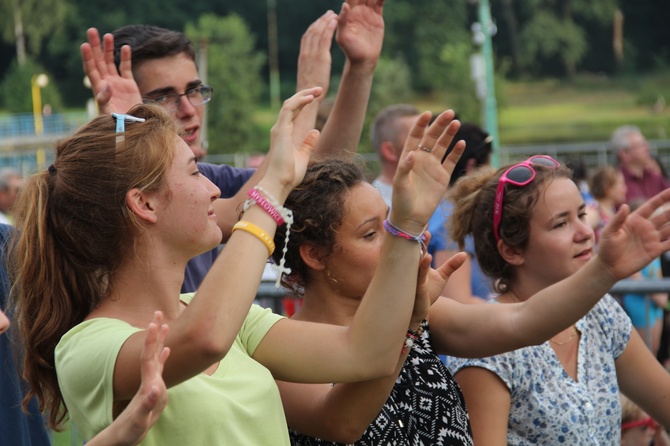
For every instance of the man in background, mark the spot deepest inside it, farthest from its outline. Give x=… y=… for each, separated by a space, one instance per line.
x=11 y=182
x=388 y=133
x=636 y=164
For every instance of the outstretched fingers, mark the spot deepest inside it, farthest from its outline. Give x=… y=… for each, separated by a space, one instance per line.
x=440 y=133
x=413 y=139
x=294 y=105
x=319 y=35
x=125 y=67
x=154 y=354
x=108 y=54
x=651 y=206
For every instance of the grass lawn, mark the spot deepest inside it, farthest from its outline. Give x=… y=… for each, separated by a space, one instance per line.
x=587 y=109
x=66 y=438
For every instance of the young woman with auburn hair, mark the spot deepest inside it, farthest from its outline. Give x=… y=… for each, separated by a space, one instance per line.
x=103 y=237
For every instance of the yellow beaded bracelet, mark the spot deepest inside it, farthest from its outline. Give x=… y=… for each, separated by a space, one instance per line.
x=258 y=232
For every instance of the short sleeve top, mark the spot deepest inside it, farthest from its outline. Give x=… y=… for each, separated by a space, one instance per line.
x=237 y=404
x=547 y=405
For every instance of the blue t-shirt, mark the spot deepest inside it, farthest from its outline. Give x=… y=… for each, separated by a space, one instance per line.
x=641 y=308
x=16 y=427
x=229 y=180
x=482 y=285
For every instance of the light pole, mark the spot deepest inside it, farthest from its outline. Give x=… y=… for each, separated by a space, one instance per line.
x=482 y=33
x=273 y=55
x=38 y=81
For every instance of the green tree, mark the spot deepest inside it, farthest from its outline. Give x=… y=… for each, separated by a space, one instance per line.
x=552 y=34
x=233 y=69
x=27 y=23
x=17 y=89
x=419 y=31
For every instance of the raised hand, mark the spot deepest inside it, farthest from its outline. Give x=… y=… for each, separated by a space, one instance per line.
x=632 y=240
x=113 y=92
x=287 y=161
x=360 y=30
x=421 y=180
x=314 y=61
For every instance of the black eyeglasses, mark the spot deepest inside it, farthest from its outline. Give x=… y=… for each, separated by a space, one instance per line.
x=171 y=101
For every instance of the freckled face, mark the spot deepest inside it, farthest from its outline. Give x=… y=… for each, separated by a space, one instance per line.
x=561 y=240
x=358 y=241
x=187 y=216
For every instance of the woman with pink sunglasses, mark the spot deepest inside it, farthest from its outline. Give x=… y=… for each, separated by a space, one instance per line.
x=334 y=249
x=530 y=230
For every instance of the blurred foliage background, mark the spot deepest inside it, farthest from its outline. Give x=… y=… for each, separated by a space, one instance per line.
x=598 y=47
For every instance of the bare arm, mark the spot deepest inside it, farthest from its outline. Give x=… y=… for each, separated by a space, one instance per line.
x=338 y=413
x=204 y=332
x=369 y=347
x=642 y=379
x=487 y=399
x=314 y=64
x=360 y=33
x=628 y=243
x=343 y=412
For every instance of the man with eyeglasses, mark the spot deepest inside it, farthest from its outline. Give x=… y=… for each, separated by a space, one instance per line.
x=163 y=69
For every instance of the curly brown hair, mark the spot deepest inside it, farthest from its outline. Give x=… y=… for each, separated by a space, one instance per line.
x=318 y=209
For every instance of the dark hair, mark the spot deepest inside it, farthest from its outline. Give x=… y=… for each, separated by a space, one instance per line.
x=148 y=42
x=474 y=198
x=318 y=210
x=477 y=147
x=579 y=170
x=74 y=229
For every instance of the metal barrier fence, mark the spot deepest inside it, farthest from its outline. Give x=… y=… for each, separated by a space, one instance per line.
x=267 y=290
x=277 y=299
x=19 y=144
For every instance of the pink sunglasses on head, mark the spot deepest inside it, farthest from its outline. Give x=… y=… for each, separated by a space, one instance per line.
x=519 y=175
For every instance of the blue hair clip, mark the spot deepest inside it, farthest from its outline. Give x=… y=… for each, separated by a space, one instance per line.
x=121 y=119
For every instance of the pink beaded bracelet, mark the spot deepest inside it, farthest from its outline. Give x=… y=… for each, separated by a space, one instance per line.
x=280 y=215
x=266 y=206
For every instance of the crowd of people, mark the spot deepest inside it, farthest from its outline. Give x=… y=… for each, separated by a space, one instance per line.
x=130 y=273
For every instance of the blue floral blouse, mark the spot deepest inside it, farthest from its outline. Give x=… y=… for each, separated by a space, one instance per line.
x=547 y=406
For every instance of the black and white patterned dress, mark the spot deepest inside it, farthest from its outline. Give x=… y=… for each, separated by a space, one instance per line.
x=425 y=407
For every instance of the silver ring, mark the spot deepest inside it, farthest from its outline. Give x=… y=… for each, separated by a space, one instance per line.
x=425 y=149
